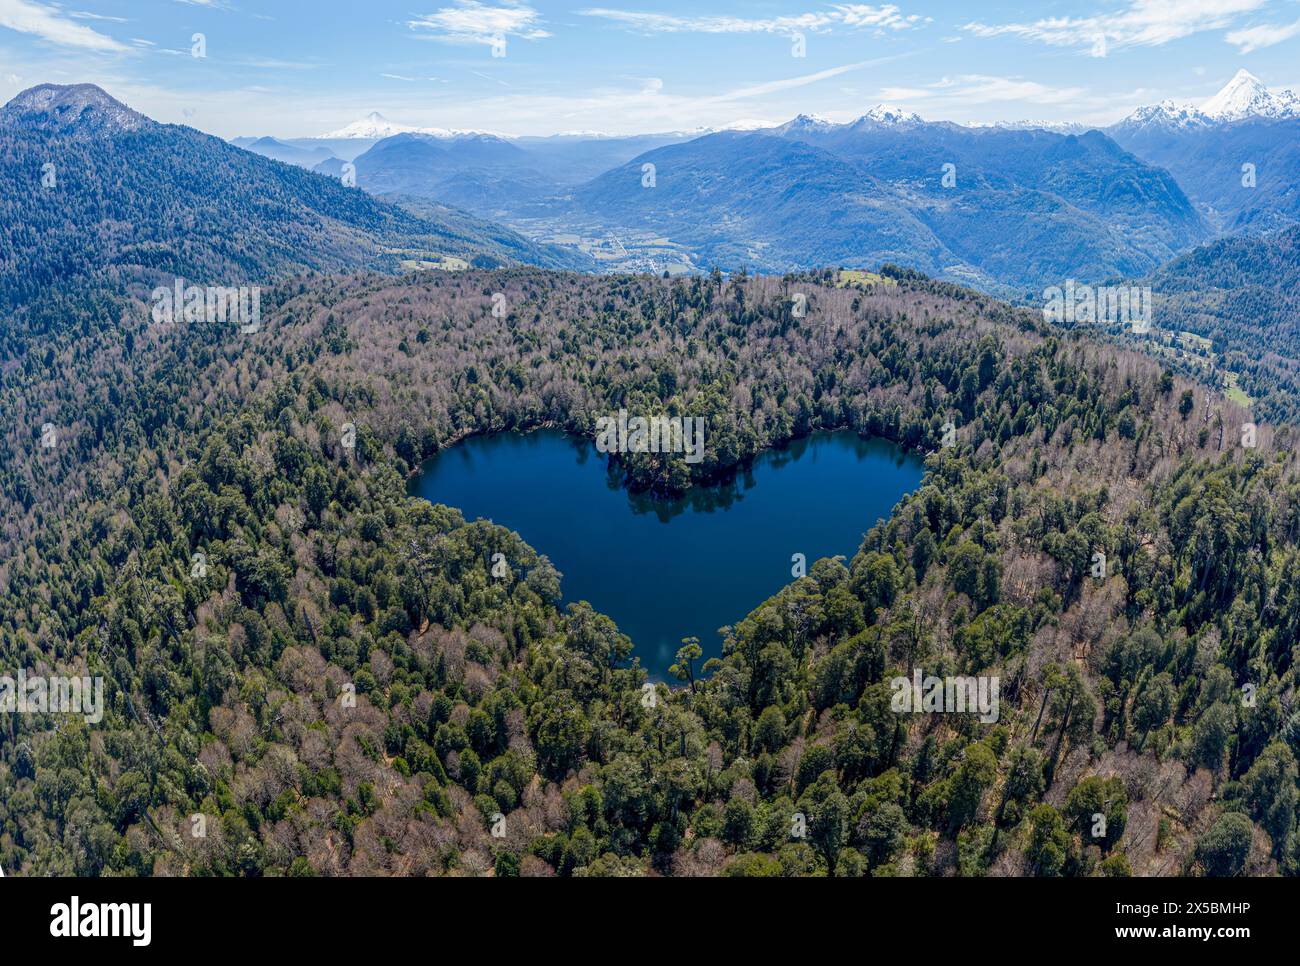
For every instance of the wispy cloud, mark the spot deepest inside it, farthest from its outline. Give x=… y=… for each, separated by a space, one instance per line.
x=272 y=63
x=1143 y=23
x=489 y=77
x=50 y=24
x=984 y=89
x=405 y=78
x=87 y=15
x=853 y=16
x=1265 y=35
x=790 y=83
x=471 y=22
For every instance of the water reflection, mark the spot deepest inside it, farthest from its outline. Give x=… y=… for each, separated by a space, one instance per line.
x=669 y=569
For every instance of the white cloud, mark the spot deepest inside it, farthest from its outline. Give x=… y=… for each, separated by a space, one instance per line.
x=408 y=79
x=852 y=15
x=983 y=88
x=1143 y=23
x=471 y=22
x=789 y=83
x=1265 y=35
x=865 y=15
x=489 y=77
x=87 y=15
x=49 y=24
x=983 y=98
x=272 y=63
x=961 y=94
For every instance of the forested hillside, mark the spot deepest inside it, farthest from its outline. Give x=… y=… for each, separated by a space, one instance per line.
x=343 y=687
x=340 y=685
x=1243 y=294
x=97 y=197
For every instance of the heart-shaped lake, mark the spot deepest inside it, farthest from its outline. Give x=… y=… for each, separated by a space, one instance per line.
x=669 y=569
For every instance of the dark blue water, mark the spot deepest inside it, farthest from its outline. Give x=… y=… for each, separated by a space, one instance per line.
x=665 y=570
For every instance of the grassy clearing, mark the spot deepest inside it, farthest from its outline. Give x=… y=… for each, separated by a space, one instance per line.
x=854 y=276
x=1234 y=392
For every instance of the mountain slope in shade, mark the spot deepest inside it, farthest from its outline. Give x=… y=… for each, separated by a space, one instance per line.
x=478 y=172
x=1026 y=207
x=1241 y=175
x=96 y=192
x=277 y=150
x=572 y=160
x=332 y=167
x=489 y=175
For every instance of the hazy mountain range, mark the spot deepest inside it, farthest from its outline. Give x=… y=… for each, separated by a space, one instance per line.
x=1022 y=204
x=1007 y=208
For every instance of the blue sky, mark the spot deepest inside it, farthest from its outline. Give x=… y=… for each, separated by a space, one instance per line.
x=294 y=68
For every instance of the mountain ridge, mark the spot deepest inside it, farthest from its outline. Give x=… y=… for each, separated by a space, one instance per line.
x=1234 y=156
x=120 y=202
x=66 y=106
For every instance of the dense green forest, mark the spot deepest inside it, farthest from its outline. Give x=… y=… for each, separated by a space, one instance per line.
x=340 y=685
x=1243 y=294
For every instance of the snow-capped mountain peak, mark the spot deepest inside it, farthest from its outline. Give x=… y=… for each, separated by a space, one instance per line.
x=1243 y=97
x=1246 y=96
x=807 y=122
x=375 y=127
x=1167 y=114
x=887 y=114
x=882 y=115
